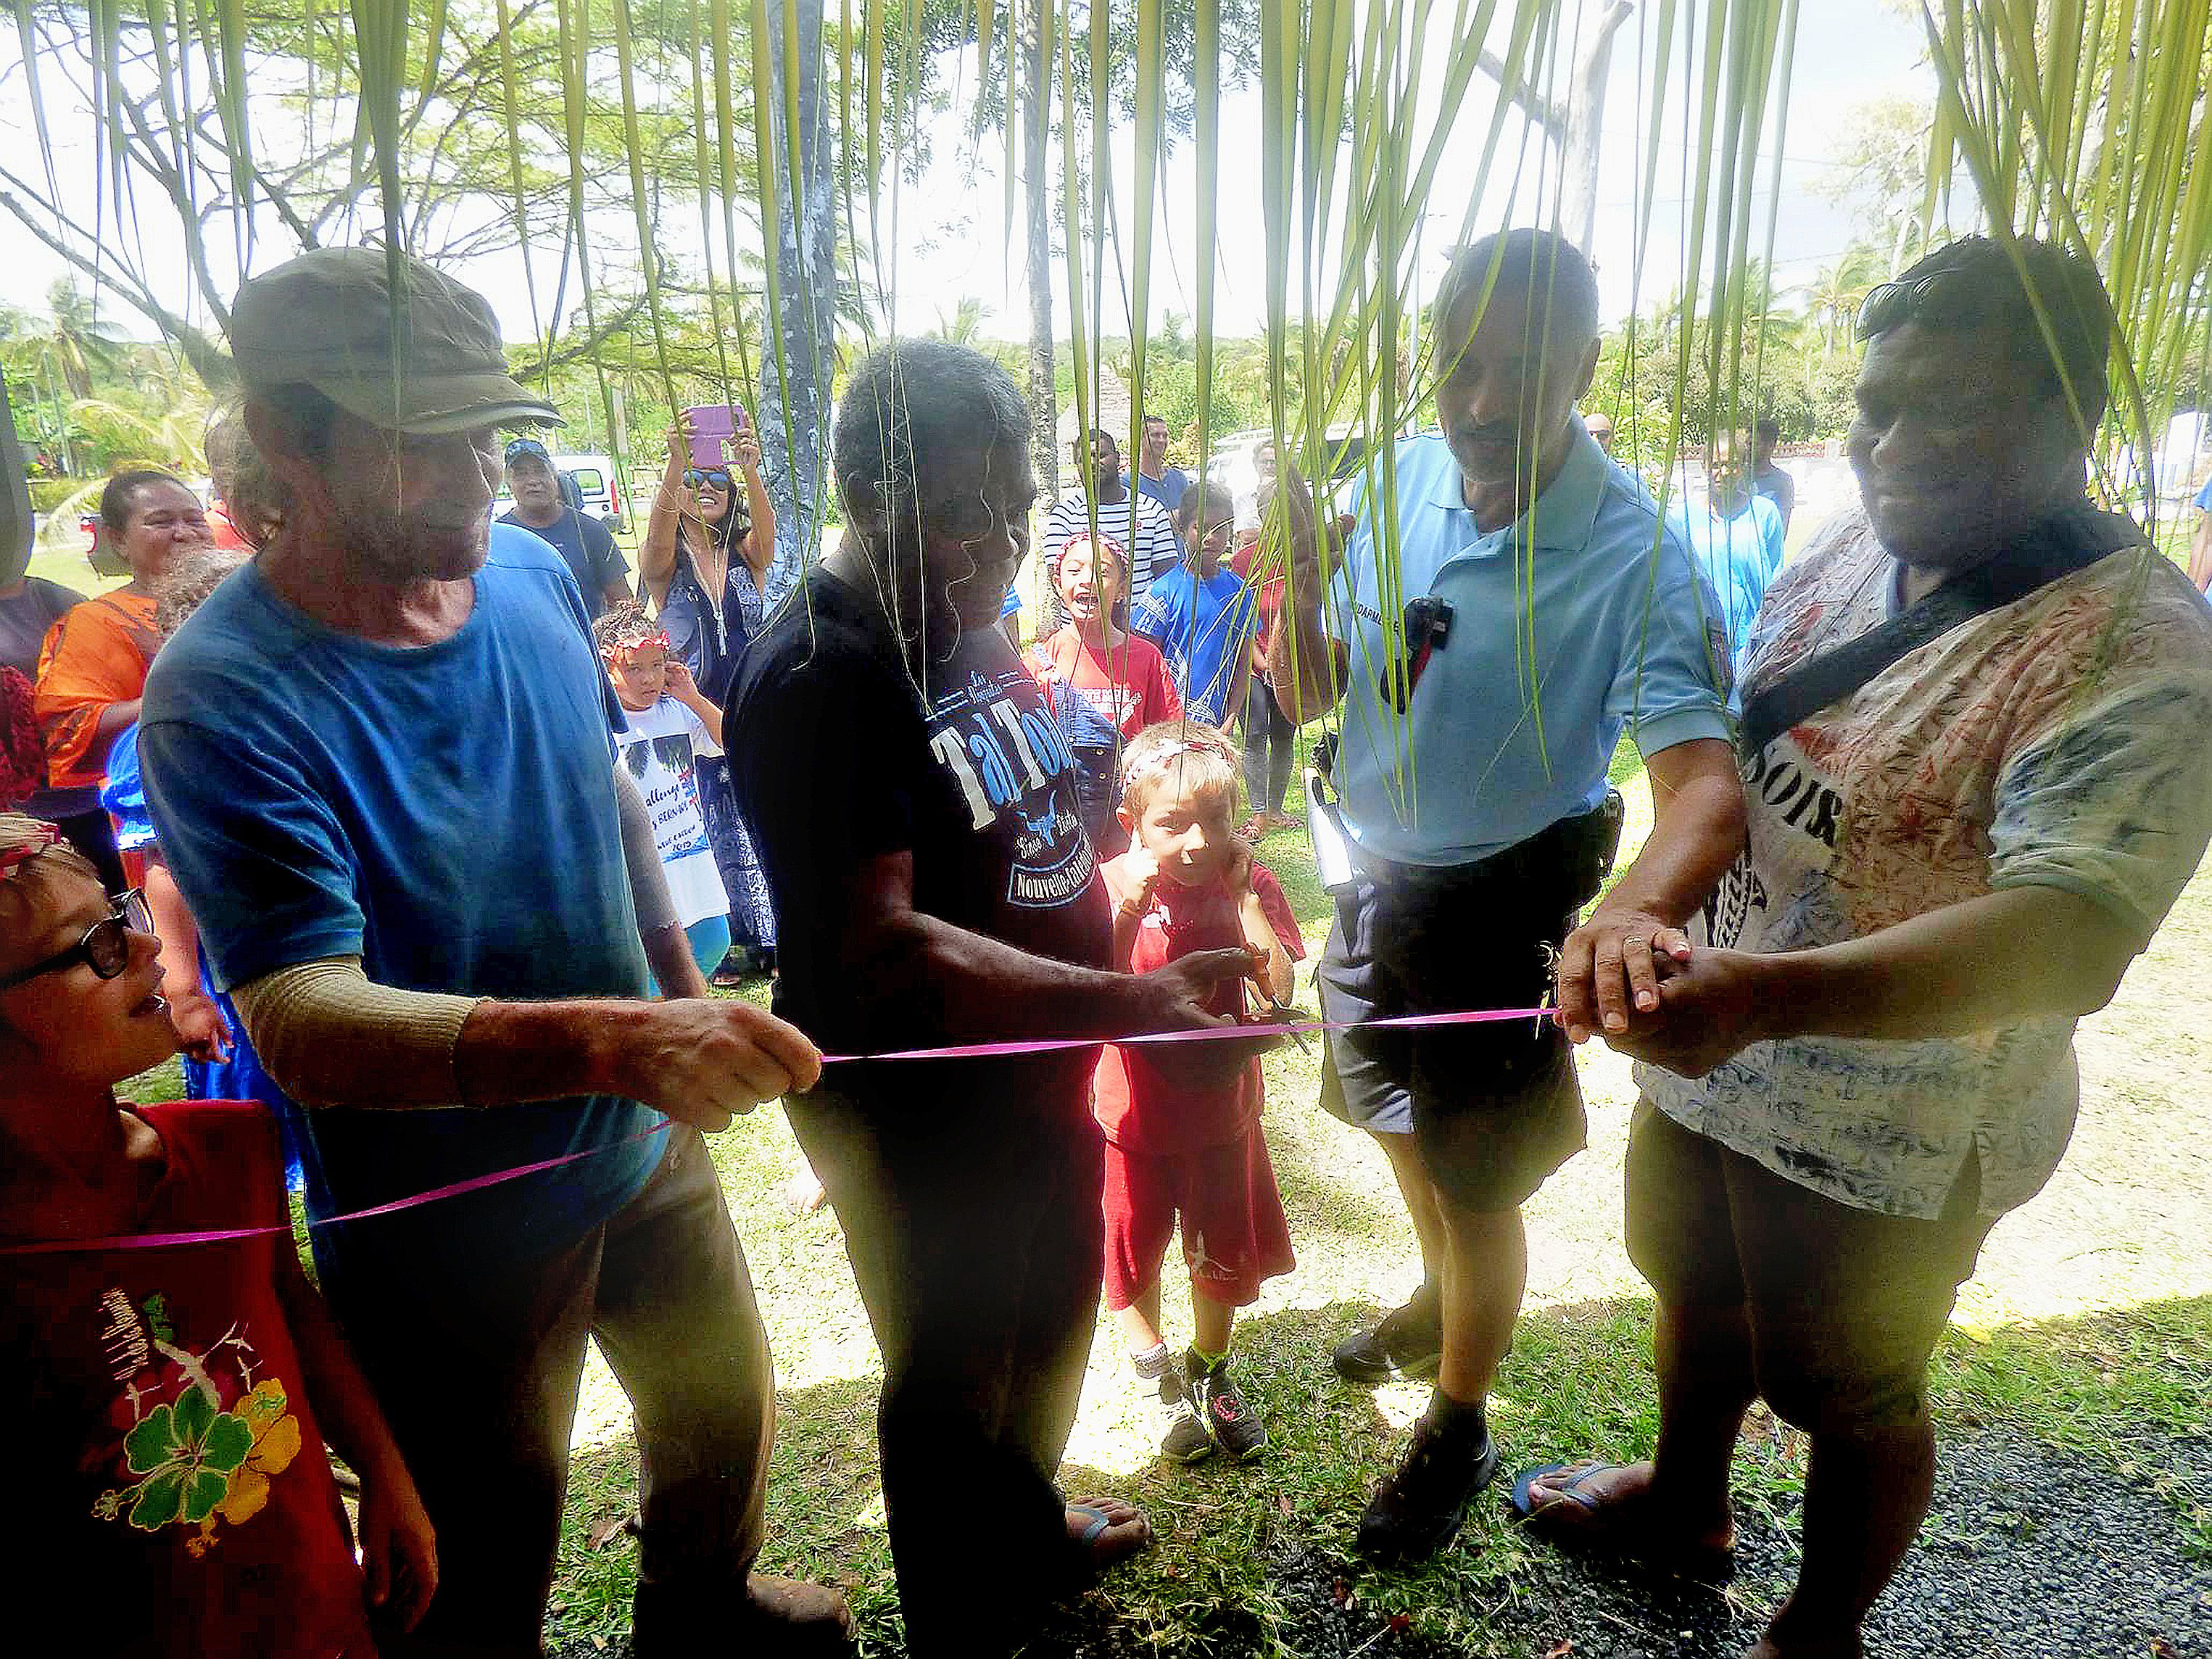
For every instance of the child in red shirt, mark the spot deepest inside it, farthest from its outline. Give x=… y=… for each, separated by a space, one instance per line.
x=167 y=1466
x=1177 y=1142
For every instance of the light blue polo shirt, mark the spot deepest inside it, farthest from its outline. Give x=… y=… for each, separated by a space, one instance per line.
x=1585 y=618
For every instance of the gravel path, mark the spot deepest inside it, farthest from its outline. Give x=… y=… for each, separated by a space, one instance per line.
x=2031 y=1554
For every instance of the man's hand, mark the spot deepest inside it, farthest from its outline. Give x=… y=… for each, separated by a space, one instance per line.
x=1610 y=969
x=201 y=1033
x=1711 y=1005
x=398 y=1551
x=706 y=1062
x=1176 y=996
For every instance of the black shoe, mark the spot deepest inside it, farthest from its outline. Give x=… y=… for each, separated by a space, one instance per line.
x=1184 y=1436
x=1418 y=1509
x=1406 y=1342
x=1236 y=1427
x=737 y=968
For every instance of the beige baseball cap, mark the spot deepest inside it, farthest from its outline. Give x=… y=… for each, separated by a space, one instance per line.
x=406 y=349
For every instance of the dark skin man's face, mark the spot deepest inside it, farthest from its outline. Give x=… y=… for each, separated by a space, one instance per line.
x=1958 y=447
x=1106 y=464
x=1506 y=402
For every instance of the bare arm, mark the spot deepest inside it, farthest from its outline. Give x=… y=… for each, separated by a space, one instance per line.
x=199 y=1022
x=1306 y=667
x=970 y=986
x=758 y=548
x=656 y=553
x=685 y=691
x=399 y=1551
x=1259 y=934
x=1609 y=967
x=1929 y=977
x=331 y=1036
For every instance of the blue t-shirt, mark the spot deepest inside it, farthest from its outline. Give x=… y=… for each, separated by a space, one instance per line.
x=2204 y=497
x=123 y=794
x=1739 y=553
x=1167 y=490
x=447 y=814
x=1575 y=621
x=1205 y=631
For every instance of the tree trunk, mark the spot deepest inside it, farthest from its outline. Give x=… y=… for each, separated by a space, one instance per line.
x=1035 y=75
x=1585 y=115
x=14 y=497
x=793 y=417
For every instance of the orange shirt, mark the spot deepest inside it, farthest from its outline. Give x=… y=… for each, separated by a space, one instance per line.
x=95 y=656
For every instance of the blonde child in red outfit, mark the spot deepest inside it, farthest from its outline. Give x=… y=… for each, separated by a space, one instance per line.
x=1175 y=1145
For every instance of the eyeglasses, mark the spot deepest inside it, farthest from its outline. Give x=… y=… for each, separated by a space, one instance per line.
x=1944 y=298
x=716 y=476
x=105 y=948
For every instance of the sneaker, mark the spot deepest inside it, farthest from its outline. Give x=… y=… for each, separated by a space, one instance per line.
x=1406 y=1342
x=1184 y=1436
x=1236 y=1427
x=1418 y=1509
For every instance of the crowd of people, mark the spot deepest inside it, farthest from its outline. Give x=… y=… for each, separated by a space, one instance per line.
x=423 y=836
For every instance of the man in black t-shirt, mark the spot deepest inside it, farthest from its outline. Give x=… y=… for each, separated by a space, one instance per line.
x=578 y=538
x=914 y=805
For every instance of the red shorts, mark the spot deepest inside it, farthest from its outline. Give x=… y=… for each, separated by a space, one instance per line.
x=1234 y=1234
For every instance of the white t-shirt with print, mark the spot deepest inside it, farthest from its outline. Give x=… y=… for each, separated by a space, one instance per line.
x=661 y=746
x=2056 y=741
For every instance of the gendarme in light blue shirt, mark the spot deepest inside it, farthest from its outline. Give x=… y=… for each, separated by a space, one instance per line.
x=1585 y=618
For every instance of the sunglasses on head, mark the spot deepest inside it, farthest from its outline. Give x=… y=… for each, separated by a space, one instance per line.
x=105 y=948
x=716 y=475
x=1941 y=299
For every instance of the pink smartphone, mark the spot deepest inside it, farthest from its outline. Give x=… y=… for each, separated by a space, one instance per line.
x=712 y=425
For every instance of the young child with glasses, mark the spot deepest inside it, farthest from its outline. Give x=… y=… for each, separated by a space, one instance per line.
x=668 y=727
x=1182 y=1125
x=176 y=1398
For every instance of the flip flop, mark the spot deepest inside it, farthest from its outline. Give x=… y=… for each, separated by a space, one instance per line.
x=1700 y=1563
x=1100 y=1524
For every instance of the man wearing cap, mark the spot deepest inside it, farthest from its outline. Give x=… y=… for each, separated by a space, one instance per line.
x=578 y=538
x=1542 y=608
x=380 y=763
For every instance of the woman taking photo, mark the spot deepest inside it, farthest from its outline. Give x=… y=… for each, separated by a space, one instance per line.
x=92 y=668
x=708 y=565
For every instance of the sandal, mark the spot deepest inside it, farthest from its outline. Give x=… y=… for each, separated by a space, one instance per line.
x=1098 y=1550
x=1253 y=828
x=1575 y=1519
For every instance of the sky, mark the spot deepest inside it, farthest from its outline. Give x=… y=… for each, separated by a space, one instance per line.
x=950 y=238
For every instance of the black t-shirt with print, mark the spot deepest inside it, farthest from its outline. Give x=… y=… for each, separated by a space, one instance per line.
x=842 y=758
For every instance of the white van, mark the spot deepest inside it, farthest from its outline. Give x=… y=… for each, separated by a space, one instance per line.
x=597 y=490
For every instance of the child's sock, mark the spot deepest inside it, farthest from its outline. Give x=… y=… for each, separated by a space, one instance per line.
x=1153 y=1363
x=1455 y=1420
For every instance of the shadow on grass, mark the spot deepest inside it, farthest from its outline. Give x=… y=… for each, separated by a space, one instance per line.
x=1257 y=1560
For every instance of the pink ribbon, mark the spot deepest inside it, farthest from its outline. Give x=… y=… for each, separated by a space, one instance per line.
x=952 y=1051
